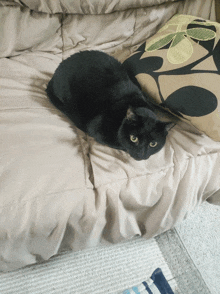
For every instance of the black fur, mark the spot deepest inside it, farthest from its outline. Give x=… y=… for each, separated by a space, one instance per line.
x=95 y=92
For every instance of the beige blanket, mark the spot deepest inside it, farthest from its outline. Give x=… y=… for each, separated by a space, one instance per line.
x=60 y=190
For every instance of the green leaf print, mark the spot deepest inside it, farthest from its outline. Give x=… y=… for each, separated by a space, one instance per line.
x=157 y=44
x=178 y=38
x=181 y=52
x=201 y=34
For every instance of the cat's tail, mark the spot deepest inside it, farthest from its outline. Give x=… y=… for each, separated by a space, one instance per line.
x=57 y=102
x=59 y=98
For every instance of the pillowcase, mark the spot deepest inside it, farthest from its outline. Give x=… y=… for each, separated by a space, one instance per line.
x=179 y=68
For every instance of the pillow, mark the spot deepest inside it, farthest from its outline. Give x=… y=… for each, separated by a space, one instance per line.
x=179 y=67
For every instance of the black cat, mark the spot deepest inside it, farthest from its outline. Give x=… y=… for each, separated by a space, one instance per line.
x=94 y=91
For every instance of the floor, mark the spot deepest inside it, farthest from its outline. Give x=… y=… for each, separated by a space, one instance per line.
x=204 y=245
x=98 y=271
x=115 y=268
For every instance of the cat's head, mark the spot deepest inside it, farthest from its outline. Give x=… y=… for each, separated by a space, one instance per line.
x=142 y=133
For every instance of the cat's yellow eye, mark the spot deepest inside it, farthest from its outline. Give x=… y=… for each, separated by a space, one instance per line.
x=153 y=144
x=134 y=139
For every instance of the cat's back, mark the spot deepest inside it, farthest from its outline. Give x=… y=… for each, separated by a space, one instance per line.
x=83 y=79
x=87 y=84
x=91 y=67
x=89 y=79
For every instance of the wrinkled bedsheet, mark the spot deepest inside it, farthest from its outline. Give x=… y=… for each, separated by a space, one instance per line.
x=59 y=189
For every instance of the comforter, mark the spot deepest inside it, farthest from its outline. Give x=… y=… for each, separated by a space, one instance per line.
x=59 y=189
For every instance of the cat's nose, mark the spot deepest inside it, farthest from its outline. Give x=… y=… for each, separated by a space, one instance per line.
x=145 y=155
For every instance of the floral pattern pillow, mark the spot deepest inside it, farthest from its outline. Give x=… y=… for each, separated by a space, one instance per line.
x=179 y=67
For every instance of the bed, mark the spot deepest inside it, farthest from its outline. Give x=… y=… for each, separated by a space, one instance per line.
x=59 y=189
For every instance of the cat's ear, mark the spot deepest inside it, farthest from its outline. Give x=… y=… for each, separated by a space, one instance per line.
x=130 y=115
x=169 y=125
